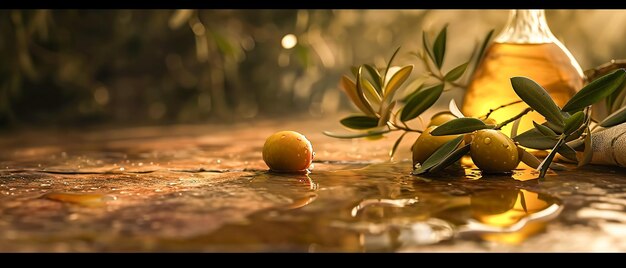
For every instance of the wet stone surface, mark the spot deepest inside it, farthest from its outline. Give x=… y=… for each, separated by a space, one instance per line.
x=206 y=188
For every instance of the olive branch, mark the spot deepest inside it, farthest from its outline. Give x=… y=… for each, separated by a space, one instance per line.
x=566 y=131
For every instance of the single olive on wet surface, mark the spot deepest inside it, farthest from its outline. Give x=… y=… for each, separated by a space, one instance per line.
x=288 y=151
x=494 y=152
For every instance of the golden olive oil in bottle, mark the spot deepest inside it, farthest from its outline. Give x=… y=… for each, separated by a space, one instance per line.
x=525 y=47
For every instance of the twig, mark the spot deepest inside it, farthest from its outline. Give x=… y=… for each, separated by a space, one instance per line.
x=527 y=110
x=499 y=107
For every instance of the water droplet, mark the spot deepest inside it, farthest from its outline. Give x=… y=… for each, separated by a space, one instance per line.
x=505 y=146
x=487 y=140
x=512 y=158
x=282 y=137
x=45 y=185
x=219 y=161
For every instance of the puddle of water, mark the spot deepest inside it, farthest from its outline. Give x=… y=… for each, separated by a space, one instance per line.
x=379 y=208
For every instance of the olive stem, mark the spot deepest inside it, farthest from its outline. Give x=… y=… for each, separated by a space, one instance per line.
x=500 y=107
x=527 y=110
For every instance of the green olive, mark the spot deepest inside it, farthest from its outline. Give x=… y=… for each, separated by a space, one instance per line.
x=494 y=152
x=426 y=144
x=287 y=151
x=440 y=118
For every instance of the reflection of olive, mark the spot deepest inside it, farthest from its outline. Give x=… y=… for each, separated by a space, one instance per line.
x=493 y=202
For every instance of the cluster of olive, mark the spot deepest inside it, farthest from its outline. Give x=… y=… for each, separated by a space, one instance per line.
x=491 y=150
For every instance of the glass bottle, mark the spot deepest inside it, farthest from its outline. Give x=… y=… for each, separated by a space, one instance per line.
x=525 y=47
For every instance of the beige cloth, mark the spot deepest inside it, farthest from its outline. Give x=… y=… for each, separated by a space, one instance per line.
x=609 y=146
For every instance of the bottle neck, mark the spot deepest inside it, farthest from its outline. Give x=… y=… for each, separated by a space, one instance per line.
x=526 y=27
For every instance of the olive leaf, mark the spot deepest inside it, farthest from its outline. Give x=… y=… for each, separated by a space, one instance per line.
x=615 y=118
x=537 y=98
x=396 y=80
x=588 y=152
x=620 y=97
x=533 y=162
x=360 y=94
x=371 y=94
x=396 y=144
x=546 y=131
x=386 y=113
x=459 y=126
x=393 y=56
x=451 y=158
x=426 y=45
x=543 y=167
x=359 y=122
x=534 y=139
x=370 y=133
x=439 y=47
x=556 y=128
x=456 y=73
x=421 y=101
x=439 y=155
x=567 y=152
x=596 y=90
x=484 y=46
x=515 y=127
x=378 y=82
x=350 y=89
x=574 y=122
x=454 y=109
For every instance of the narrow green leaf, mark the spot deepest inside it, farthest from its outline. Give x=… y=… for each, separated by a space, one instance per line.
x=615 y=118
x=537 y=98
x=354 y=70
x=556 y=128
x=450 y=159
x=454 y=109
x=533 y=162
x=439 y=155
x=356 y=135
x=532 y=138
x=386 y=113
x=439 y=47
x=567 y=152
x=393 y=56
x=456 y=73
x=543 y=167
x=515 y=127
x=395 y=145
x=371 y=94
x=350 y=89
x=426 y=44
x=483 y=47
x=620 y=99
x=588 y=152
x=420 y=102
x=378 y=81
x=546 y=131
x=360 y=94
x=396 y=80
x=596 y=90
x=574 y=122
x=359 y=122
x=459 y=126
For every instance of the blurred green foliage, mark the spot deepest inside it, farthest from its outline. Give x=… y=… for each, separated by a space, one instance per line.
x=77 y=67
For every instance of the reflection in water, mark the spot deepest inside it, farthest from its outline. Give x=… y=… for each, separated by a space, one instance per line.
x=83 y=199
x=510 y=216
x=507 y=216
